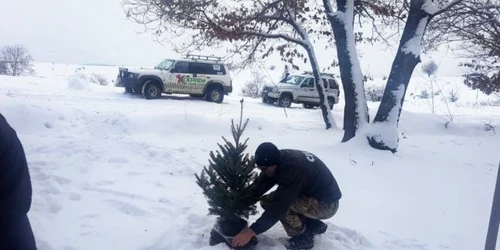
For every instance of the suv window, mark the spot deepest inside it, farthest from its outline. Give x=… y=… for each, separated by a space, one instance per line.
x=181 y=67
x=295 y=80
x=308 y=83
x=206 y=68
x=333 y=84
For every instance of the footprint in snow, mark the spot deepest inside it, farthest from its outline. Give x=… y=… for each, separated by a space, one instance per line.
x=117 y=160
x=40 y=177
x=61 y=180
x=70 y=248
x=104 y=183
x=54 y=206
x=182 y=150
x=127 y=208
x=134 y=173
x=48 y=125
x=75 y=197
x=37 y=163
x=89 y=216
x=165 y=200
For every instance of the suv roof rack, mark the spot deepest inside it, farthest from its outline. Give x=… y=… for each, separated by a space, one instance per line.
x=205 y=58
x=321 y=73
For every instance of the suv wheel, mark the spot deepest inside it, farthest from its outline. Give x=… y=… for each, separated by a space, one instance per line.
x=214 y=94
x=151 y=90
x=331 y=102
x=285 y=101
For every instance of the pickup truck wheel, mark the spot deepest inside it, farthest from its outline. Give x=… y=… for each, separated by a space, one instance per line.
x=151 y=90
x=285 y=101
x=214 y=94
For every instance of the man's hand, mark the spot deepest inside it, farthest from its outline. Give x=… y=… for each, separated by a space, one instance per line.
x=243 y=237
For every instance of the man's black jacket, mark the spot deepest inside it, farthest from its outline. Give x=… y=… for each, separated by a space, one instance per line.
x=15 y=192
x=298 y=173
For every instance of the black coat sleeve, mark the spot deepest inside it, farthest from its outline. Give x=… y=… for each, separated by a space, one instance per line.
x=15 y=192
x=15 y=184
x=284 y=196
x=261 y=185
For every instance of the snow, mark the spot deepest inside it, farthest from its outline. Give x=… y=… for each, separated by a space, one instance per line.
x=115 y=171
x=78 y=82
x=429 y=7
x=413 y=46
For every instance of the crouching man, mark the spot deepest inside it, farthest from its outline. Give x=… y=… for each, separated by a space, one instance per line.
x=307 y=193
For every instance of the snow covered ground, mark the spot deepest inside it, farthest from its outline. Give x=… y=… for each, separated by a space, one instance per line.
x=115 y=171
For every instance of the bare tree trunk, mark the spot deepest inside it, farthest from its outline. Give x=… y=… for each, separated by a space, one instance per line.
x=356 y=109
x=323 y=102
x=385 y=125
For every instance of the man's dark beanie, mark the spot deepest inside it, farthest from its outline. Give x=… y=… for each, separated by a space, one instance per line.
x=267 y=154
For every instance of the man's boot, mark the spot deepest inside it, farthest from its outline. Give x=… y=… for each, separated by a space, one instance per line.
x=301 y=242
x=315 y=226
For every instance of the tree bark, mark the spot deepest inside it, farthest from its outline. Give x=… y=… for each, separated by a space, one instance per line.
x=356 y=109
x=408 y=56
x=323 y=102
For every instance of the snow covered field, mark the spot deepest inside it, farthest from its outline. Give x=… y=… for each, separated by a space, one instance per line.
x=115 y=171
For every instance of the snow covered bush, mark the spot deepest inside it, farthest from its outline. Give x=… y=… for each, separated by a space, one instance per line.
x=15 y=60
x=374 y=93
x=423 y=94
x=253 y=87
x=429 y=68
x=99 y=79
x=3 y=68
x=453 y=95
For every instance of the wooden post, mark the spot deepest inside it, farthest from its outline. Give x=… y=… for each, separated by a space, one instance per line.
x=491 y=237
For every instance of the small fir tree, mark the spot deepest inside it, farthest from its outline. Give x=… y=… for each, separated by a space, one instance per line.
x=226 y=180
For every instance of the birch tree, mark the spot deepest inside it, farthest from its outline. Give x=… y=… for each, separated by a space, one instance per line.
x=252 y=28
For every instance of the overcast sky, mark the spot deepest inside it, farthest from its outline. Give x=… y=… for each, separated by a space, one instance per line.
x=77 y=31
x=97 y=31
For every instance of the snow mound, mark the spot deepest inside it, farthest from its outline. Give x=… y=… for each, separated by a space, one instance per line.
x=79 y=82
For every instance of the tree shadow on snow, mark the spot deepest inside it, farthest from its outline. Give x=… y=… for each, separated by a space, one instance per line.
x=170 y=97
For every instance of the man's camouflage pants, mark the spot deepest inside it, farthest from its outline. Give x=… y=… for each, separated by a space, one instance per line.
x=303 y=206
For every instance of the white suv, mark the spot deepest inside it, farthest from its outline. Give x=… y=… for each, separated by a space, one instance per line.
x=198 y=76
x=301 y=88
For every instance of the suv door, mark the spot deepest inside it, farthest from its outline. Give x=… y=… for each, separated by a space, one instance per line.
x=334 y=89
x=177 y=80
x=201 y=74
x=307 y=90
